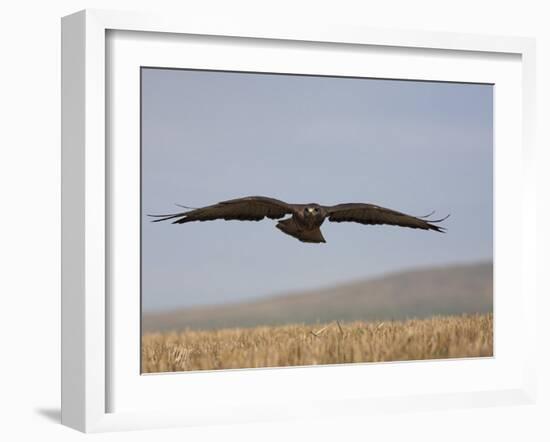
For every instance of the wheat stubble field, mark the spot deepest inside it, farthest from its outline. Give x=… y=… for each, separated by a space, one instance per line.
x=333 y=343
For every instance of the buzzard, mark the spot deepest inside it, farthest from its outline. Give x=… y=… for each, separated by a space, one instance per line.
x=305 y=219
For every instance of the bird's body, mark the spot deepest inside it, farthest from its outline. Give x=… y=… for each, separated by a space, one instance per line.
x=305 y=220
x=305 y=224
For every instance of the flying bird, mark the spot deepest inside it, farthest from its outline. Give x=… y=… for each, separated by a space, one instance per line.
x=305 y=219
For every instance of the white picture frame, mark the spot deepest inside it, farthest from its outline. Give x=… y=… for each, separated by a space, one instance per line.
x=89 y=320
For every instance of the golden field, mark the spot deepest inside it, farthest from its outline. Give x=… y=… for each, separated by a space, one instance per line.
x=333 y=343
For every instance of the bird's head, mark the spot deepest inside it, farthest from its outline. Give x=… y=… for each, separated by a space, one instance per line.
x=311 y=210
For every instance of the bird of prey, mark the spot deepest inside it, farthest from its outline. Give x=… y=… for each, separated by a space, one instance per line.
x=305 y=219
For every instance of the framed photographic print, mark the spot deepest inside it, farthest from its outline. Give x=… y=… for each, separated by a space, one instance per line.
x=282 y=223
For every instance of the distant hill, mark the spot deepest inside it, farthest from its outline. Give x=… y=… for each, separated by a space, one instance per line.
x=411 y=294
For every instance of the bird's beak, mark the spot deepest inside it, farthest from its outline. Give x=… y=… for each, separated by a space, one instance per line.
x=310 y=210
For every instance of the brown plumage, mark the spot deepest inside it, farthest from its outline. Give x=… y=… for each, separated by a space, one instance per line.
x=305 y=220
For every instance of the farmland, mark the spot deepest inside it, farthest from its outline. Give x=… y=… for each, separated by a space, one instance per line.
x=335 y=342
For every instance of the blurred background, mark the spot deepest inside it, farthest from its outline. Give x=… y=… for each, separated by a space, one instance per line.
x=406 y=145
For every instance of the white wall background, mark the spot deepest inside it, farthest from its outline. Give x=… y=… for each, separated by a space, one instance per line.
x=30 y=215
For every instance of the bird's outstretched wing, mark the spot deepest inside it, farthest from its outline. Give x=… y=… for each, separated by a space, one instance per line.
x=251 y=208
x=371 y=214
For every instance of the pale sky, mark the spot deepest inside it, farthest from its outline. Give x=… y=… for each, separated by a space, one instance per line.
x=212 y=136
